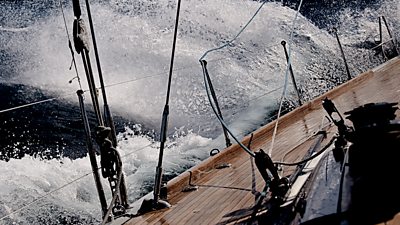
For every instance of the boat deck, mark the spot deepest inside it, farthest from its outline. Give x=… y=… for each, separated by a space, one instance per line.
x=226 y=196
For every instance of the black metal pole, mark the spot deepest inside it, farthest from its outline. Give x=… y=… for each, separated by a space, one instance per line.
x=380 y=30
x=92 y=154
x=381 y=37
x=214 y=96
x=107 y=112
x=164 y=123
x=390 y=35
x=92 y=87
x=343 y=56
x=82 y=46
x=291 y=72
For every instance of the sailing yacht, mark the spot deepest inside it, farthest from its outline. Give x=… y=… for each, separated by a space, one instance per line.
x=317 y=164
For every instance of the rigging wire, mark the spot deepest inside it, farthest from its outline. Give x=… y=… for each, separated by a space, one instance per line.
x=73 y=62
x=110 y=85
x=164 y=120
x=289 y=62
x=266 y=93
x=31 y=104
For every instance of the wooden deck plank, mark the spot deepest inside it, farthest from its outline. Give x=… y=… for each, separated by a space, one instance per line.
x=378 y=85
x=201 y=196
x=224 y=184
x=223 y=198
x=245 y=181
x=218 y=183
x=187 y=205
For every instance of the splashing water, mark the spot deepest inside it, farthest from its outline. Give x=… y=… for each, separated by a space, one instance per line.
x=134 y=40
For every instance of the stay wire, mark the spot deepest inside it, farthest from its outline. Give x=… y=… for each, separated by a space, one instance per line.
x=31 y=104
x=171 y=67
x=286 y=79
x=70 y=48
x=137 y=150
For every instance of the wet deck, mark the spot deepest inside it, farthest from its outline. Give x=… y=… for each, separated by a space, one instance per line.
x=225 y=196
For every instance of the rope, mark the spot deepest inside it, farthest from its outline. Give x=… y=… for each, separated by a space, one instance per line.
x=322 y=128
x=286 y=78
x=70 y=48
x=237 y=35
x=220 y=119
x=310 y=158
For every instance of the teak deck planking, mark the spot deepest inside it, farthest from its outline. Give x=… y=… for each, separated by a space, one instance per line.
x=228 y=190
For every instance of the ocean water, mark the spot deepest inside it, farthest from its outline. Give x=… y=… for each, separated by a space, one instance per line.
x=45 y=173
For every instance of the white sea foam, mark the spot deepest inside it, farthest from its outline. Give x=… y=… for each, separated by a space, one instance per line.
x=135 y=42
